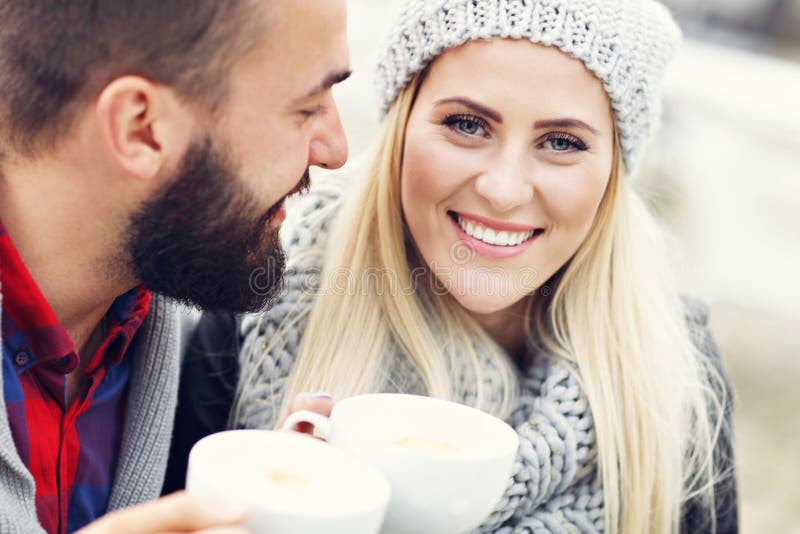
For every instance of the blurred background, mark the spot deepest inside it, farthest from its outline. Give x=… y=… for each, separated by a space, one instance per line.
x=723 y=173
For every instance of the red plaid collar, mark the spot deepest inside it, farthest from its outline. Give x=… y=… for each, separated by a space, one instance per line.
x=34 y=327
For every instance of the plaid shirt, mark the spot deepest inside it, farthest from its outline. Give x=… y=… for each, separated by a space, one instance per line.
x=71 y=450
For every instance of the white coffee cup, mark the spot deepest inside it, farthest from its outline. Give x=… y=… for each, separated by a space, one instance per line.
x=448 y=464
x=291 y=483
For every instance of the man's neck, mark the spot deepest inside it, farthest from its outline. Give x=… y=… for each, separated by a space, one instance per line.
x=65 y=236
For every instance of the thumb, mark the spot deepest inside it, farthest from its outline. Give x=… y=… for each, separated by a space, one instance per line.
x=177 y=512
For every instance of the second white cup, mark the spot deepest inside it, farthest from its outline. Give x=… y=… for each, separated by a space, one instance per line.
x=448 y=464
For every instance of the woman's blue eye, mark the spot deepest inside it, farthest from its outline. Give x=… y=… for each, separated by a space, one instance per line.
x=469 y=127
x=466 y=125
x=564 y=143
x=560 y=145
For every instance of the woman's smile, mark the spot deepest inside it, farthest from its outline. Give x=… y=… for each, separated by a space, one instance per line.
x=493 y=239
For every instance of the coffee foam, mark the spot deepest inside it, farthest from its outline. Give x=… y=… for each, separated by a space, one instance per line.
x=288 y=479
x=286 y=472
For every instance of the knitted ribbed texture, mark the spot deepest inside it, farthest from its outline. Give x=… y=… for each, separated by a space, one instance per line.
x=554 y=486
x=17 y=490
x=150 y=408
x=150 y=411
x=625 y=43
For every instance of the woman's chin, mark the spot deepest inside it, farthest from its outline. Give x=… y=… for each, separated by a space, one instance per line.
x=484 y=304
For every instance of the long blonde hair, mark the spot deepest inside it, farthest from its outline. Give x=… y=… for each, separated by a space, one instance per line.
x=368 y=301
x=650 y=389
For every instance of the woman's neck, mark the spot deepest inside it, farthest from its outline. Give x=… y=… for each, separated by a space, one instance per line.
x=506 y=327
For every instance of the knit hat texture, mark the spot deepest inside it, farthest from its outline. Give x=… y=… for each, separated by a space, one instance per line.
x=625 y=43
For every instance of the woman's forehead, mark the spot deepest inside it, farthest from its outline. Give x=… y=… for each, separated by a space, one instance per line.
x=516 y=71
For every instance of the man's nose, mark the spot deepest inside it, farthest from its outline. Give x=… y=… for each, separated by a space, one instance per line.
x=328 y=148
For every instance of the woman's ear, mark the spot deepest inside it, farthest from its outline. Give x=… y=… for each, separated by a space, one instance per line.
x=144 y=125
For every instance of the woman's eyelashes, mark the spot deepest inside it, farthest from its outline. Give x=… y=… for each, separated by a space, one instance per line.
x=562 y=142
x=473 y=126
x=467 y=125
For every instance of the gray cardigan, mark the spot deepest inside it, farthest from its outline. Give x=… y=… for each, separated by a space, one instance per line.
x=149 y=416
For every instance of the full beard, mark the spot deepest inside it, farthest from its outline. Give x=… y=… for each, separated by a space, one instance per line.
x=202 y=240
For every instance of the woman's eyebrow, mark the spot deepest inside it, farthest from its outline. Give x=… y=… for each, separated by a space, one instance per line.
x=498 y=118
x=474 y=106
x=564 y=123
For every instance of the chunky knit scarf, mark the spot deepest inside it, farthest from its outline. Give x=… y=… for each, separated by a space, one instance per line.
x=554 y=488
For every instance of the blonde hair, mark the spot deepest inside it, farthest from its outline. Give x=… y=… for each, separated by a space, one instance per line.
x=651 y=391
x=369 y=259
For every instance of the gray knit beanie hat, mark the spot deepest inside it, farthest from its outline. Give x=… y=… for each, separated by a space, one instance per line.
x=625 y=43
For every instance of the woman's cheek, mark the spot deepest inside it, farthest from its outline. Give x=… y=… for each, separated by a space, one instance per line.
x=572 y=201
x=434 y=169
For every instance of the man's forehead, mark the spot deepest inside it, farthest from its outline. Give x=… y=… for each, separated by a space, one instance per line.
x=307 y=41
x=296 y=19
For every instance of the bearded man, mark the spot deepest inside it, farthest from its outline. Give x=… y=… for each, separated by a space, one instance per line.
x=146 y=150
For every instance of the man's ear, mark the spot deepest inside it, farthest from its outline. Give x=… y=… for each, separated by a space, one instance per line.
x=144 y=125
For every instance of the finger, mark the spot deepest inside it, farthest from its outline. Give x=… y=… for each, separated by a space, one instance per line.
x=226 y=530
x=321 y=403
x=177 y=512
x=215 y=530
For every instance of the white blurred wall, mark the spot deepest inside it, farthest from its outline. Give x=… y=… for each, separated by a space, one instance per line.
x=732 y=133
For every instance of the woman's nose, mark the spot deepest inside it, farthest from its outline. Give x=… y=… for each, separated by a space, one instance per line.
x=506 y=186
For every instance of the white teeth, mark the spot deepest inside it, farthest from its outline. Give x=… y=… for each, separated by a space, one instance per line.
x=492 y=237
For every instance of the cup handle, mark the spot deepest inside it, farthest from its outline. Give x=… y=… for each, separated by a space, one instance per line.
x=321 y=423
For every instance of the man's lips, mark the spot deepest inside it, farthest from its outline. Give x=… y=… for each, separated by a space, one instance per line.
x=279 y=216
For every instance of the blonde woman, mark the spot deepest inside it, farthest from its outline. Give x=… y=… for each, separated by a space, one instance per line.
x=496 y=254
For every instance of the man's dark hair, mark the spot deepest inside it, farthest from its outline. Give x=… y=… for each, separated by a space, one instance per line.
x=57 y=54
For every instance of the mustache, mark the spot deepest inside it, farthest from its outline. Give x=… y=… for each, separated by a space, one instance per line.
x=301 y=188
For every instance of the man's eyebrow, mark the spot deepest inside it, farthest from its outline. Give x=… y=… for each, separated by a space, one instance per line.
x=564 y=123
x=474 y=106
x=330 y=80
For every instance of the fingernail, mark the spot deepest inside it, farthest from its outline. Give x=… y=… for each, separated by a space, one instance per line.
x=320 y=395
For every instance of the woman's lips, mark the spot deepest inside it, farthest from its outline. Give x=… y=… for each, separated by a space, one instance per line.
x=496 y=251
x=491 y=223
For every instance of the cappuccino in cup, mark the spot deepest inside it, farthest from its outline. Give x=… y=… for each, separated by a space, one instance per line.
x=290 y=482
